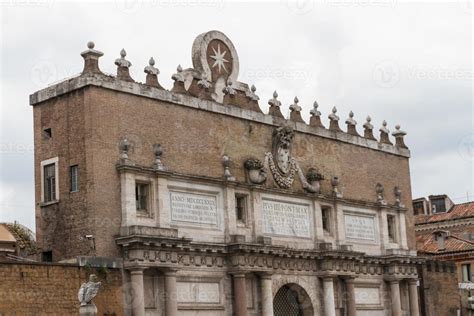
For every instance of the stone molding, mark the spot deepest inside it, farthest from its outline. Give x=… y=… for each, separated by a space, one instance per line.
x=139 y=89
x=252 y=258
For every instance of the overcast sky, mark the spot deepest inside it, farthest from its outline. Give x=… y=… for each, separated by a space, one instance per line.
x=404 y=62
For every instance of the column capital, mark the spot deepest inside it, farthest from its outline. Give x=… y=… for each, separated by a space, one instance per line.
x=170 y=272
x=349 y=279
x=238 y=274
x=137 y=270
x=328 y=277
x=265 y=275
x=413 y=281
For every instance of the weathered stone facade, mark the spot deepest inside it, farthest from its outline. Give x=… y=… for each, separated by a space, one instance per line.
x=235 y=205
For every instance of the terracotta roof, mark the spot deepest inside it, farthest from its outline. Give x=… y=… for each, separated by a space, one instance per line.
x=22 y=235
x=458 y=211
x=5 y=234
x=427 y=243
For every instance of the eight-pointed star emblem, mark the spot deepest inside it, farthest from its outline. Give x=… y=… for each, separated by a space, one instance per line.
x=219 y=58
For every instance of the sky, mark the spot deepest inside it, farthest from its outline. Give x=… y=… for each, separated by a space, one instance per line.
x=409 y=63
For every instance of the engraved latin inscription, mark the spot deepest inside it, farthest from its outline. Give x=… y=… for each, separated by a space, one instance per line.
x=287 y=219
x=360 y=227
x=194 y=292
x=197 y=209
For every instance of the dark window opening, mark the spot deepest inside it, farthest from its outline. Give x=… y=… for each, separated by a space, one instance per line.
x=47 y=256
x=418 y=208
x=466 y=272
x=326 y=218
x=74 y=174
x=141 y=196
x=438 y=206
x=48 y=133
x=49 y=182
x=241 y=207
x=391 y=228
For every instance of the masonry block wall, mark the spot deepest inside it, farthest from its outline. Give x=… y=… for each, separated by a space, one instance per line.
x=439 y=293
x=51 y=289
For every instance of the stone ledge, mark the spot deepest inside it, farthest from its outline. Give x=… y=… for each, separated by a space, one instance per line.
x=140 y=89
x=148 y=231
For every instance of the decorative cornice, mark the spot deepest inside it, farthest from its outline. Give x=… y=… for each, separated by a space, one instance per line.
x=139 y=89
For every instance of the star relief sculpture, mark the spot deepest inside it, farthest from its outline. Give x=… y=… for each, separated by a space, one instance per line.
x=219 y=60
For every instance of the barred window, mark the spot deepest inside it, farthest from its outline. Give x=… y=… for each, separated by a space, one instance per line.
x=74 y=174
x=49 y=173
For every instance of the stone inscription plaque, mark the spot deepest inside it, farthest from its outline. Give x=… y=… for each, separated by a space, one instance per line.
x=194 y=292
x=367 y=295
x=360 y=227
x=194 y=209
x=286 y=219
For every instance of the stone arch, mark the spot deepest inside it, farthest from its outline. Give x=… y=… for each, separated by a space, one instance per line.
x=292 y=300
x=310 y=284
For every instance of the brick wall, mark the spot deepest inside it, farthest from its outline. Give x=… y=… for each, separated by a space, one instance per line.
x=40 y=289
x=439 y=294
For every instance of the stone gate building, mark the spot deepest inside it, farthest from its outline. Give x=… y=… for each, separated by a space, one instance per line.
x=215 y=207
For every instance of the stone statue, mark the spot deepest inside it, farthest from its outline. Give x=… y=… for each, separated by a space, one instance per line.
x=282 y=138
x=85 y=295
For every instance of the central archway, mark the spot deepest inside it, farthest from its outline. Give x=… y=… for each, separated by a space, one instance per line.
x=292 y=300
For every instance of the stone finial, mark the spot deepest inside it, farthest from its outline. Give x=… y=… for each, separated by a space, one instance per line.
x=351 y=124
x=178 y=76
x=251 y=94
x=380 y=191
x=123 y=65
x=369 y=129
x=315 y=119
x=179 y=79
x=229 y=89
x=335 y=187
x=152 y=74
x=275 y=106
x=384 y=133
x=399 y=135
x=91 y=60
x=158 y=151
x=398 y=196
x=226 y=163
x=205 y=84
x=295 y=114
x=253 y=99
x=334 y=121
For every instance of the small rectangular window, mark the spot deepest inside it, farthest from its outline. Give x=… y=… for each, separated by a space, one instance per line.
x=49 y=174
x=466 y=272
x=48 y=133
x=141 y=196
x=326 y=218
x=47 y=256
x=391 y=227
x=74 y=174
x=241 y=208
